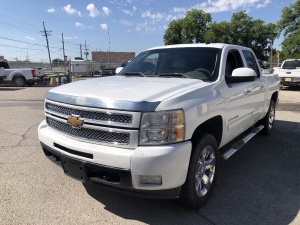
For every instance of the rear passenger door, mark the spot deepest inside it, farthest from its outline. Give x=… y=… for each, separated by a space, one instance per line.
x=258 y=87
x=244 y=100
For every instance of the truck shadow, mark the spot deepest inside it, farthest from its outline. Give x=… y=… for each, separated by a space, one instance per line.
x=258 y=185
x=4 y=88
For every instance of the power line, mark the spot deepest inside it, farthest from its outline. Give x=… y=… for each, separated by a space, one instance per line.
x=24 y=42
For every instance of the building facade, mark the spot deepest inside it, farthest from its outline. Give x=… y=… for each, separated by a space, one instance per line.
x=112 y=59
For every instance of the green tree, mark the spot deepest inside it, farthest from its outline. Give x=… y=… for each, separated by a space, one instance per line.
x=173 y=33
x=192 y=28
x=57 y=62
x=243 y=30
x=218 y=32
x=290 y=25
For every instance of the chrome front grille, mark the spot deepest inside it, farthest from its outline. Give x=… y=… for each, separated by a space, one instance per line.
x=95 y=125
x=101 y=117
x=111 y=137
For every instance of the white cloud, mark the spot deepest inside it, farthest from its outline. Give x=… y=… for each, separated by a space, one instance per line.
x=264 y=4
x=104 y=26
x=144 y=26
x=93 y=10
x=80 y=25
x=51 y=10
x=179 y=10
x=213 y=6
x=127 y=12
x=70 y=38
x=69 y=9
x=29 y=38
x=125 y=22
x=158 y=16
x=106 y=10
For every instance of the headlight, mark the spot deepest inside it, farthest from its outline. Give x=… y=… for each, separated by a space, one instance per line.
x=162 y=127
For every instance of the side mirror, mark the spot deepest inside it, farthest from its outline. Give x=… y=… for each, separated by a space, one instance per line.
x=241 y=75
x=118 y=70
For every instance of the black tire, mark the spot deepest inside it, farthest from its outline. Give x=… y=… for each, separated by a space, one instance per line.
x=268 y=120
x=205 y=151
x=19 y=81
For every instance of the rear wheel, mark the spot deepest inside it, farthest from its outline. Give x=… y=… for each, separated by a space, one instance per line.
x=19 y=81
x=268 y=120
x=202 y=172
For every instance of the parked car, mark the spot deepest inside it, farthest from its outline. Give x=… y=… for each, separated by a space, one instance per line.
x=156 y=129
x=289 y=72
x=21 y=76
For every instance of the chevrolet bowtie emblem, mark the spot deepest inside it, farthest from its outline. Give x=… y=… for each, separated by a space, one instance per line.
x=75 y=121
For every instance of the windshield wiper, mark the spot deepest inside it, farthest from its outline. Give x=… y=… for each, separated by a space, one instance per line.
x=173 y=75
x=135 y=74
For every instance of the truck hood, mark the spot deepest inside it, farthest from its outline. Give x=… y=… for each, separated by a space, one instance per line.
x=121 y=88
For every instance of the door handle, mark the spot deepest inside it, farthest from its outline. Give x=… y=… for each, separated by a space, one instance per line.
x=248 y=92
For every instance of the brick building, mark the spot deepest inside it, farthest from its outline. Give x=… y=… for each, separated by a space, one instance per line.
x=112 y=59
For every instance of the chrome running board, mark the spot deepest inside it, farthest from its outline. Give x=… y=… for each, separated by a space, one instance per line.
x=240 y=143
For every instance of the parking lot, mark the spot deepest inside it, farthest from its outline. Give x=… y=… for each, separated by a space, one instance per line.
x=260 y=184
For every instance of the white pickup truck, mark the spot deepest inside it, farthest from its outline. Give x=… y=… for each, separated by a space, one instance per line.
x=21 y=76
x=289 y=72
x=159 y=128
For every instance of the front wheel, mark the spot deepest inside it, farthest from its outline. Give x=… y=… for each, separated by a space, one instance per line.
x=202 y=172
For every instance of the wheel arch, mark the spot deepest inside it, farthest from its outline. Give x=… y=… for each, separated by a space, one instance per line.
x=275 y=97
x=18 y=75
x=213 y=126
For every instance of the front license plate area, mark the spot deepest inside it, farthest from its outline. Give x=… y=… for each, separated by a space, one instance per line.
x=76 y=171
x=288 y=79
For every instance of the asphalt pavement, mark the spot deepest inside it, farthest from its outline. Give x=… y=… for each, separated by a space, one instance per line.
x=260 y=184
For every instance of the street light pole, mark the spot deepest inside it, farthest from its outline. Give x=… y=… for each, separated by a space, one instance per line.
x=271 y=57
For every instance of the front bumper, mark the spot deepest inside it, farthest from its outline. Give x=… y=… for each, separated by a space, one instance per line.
x=119 y=168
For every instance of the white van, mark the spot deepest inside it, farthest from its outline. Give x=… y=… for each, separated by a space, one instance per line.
x=85 y=68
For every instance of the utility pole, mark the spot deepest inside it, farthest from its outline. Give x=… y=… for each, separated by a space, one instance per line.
x=108 y=46
x=80 y=51
x=63 y=44
x=46 y=34
x=271 y=55
x=86 y=50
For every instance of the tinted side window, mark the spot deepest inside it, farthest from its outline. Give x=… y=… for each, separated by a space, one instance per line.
x=251 y=61
x=4 y=64
x=233 y=61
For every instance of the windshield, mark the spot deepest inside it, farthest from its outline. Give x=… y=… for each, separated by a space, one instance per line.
x=291 y=64
x=194 y=62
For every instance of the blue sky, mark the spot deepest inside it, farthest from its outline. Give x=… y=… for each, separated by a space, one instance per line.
x=114 y=25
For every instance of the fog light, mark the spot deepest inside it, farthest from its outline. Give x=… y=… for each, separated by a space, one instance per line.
x=151 y=179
